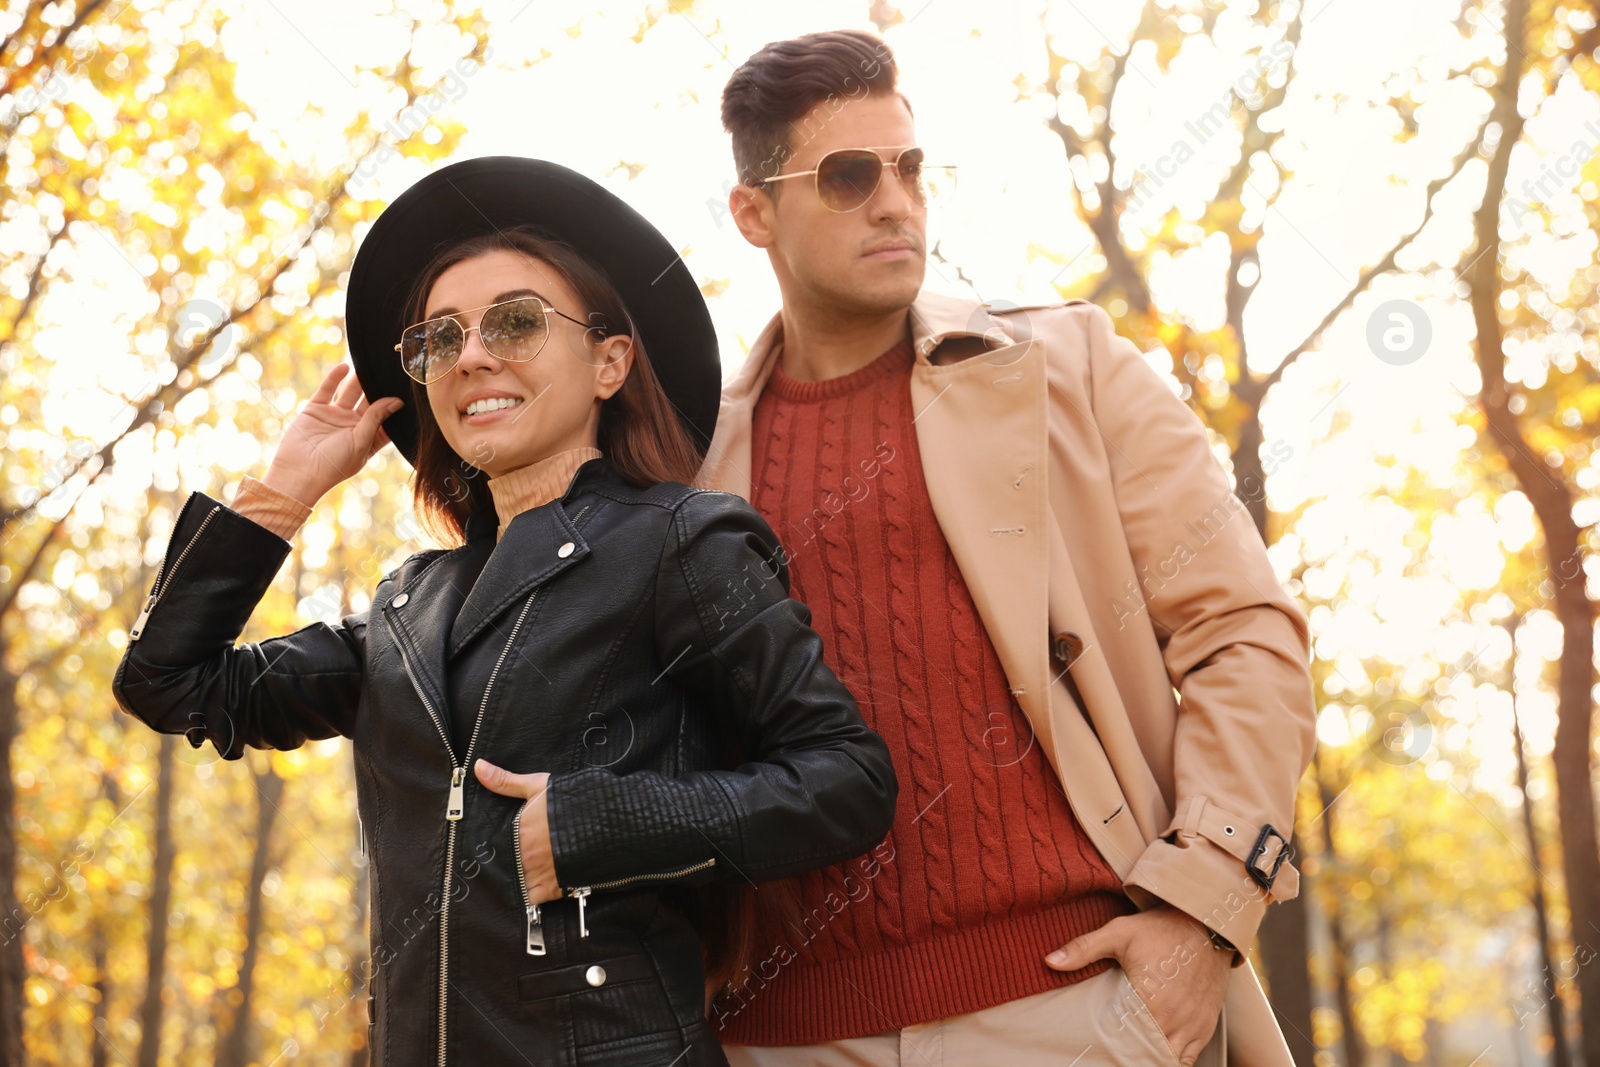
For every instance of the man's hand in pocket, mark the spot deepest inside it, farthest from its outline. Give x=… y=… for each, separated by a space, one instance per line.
x=1171 y=963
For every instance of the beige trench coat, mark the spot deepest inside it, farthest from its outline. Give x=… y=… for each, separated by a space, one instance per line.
x=1099 y=534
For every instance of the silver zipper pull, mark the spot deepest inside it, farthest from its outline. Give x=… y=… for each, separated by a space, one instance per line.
x=144 y=615
x=535 y=932
x=581 y=893
x=458 y=788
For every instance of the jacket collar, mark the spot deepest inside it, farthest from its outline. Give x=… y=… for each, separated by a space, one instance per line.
x=532 y=550
x=441 y=613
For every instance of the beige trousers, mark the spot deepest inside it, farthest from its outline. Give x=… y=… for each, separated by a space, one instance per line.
x=1098 y=1022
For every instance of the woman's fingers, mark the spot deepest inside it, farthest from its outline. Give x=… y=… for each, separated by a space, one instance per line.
x=499 y=780
x=349 y=391
x=369 y=430
x=330 y=382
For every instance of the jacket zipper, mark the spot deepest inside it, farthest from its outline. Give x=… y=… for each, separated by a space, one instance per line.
x=165 y=576
x=582 y=892
x=455 y=809
x=535 y=924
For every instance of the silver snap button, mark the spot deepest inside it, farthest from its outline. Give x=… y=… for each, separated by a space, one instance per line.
x=564 y=551
x=595 y=975
x=400 y=601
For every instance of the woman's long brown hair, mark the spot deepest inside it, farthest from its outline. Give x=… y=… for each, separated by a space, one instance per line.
x=638 y=431
x=646 y=444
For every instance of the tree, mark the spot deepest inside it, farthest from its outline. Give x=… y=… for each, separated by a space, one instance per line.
x=150 y=1009
x=1564 y=49
x=235 y=1004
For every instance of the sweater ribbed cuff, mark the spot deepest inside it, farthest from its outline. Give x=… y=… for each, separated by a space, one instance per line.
x=266 y=506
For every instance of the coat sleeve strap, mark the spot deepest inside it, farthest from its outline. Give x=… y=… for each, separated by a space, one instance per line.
x=1263 y=850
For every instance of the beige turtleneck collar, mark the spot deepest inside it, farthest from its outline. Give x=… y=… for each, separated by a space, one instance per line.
x=539 y=482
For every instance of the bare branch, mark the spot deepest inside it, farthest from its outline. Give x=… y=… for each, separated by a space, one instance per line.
x=1383 y=266
x=45 y=54
x=32 y=17
x=28 y=569
x=1233 y=185
x=146 y=415
x=35 y=282
x=164 y=397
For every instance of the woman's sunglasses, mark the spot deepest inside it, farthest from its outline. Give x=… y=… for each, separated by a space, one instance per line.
x=846 y=178
x=513 y=330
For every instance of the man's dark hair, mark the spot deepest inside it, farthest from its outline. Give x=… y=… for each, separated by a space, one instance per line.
x=777 y=86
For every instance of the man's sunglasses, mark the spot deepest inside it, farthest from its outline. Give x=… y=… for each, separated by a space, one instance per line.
x=513 y=330
x=846 y=178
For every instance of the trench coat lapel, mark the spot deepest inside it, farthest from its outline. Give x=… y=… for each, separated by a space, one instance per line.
x=981 y=431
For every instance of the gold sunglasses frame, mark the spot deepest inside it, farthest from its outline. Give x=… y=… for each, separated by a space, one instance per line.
x=865 y=200
x=546 y=308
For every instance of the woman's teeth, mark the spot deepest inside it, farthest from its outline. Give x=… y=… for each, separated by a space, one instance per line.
x=493 y=403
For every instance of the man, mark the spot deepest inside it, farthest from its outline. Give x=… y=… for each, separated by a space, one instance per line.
x=1015 y=542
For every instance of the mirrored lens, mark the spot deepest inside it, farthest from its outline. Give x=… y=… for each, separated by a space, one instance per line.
x=846 y=179
x=925 y=184
x=514 y=330
x=935 y=185
x=430 y=348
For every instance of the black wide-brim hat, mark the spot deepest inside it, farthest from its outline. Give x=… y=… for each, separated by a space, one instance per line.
x=479 y=196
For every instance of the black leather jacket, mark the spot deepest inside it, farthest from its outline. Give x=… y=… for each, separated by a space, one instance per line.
x=632 y=642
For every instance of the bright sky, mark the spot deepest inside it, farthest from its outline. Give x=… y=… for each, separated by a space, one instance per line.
x=643 y=119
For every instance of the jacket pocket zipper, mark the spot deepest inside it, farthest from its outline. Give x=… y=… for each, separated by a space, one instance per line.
x=582 y=892
x=164 y=578
x=535 y=924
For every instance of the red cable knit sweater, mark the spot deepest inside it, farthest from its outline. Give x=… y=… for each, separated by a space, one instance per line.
x=986 y=868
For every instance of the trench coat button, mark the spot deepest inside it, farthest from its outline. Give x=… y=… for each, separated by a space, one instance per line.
x=400 y=601
x=566 y=550
x=595 y=975
x=1068 y=647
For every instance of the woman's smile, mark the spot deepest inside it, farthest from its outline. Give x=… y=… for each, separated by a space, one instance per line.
x=480 y=408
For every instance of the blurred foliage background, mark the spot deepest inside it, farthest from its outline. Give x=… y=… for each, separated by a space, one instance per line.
x=1359 y=238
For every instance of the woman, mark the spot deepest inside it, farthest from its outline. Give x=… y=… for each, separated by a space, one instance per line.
x=601 y=697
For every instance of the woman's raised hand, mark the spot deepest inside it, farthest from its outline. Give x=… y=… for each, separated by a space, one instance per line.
x=331 y=438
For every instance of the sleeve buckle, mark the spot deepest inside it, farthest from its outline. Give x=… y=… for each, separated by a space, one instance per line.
x=1265 y=878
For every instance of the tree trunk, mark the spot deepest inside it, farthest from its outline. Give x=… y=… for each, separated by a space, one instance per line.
x=233 y=1044
x=1575 y=802
x=1285 y=951
x=1561 y=1055
x=1552 y=498
x=1284 y=938
x=12 y=976
x=100 y=1053
x=151 y=1010
x=1355 y=1049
